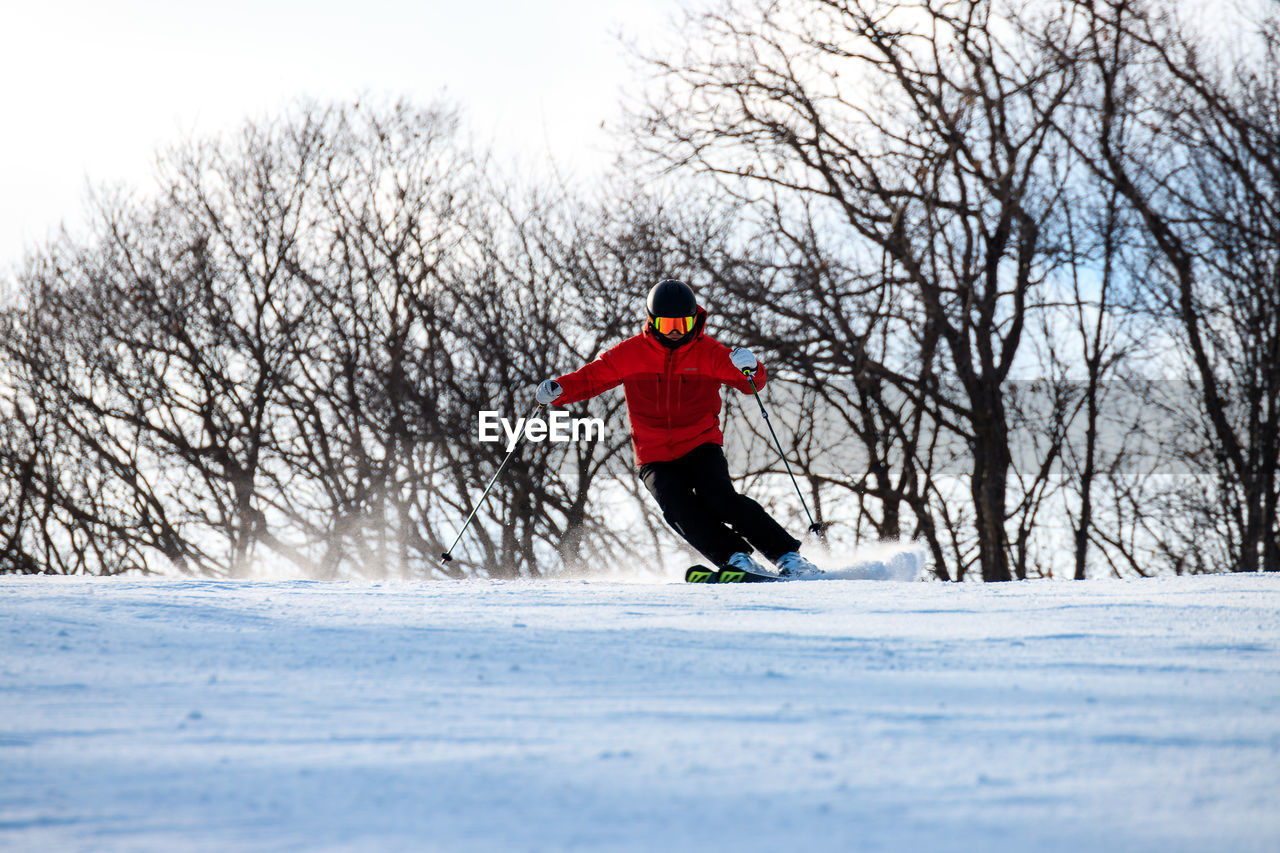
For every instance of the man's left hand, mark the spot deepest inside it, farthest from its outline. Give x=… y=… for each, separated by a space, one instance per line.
x=744 y=360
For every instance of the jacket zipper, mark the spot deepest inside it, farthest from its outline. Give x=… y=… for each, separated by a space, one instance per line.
x=669 y=380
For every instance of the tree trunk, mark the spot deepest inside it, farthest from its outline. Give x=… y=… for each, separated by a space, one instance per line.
x=991 y=463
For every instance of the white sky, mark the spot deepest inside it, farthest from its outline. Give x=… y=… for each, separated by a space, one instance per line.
x=93 y=90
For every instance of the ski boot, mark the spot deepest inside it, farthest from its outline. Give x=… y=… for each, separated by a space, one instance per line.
x=792 y=564
x=741 y=566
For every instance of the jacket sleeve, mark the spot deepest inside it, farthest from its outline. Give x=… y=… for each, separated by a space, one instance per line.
x=732 y=376
x=591 y=379
x=740 y=381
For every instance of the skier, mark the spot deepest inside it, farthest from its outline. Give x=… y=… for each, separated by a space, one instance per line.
x=671 y=373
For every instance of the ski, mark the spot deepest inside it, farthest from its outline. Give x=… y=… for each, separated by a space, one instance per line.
x=703 y=574
x=901 y=567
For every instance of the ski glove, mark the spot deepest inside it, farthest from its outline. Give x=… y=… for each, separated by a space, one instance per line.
x=744 y=360
x=548 y=391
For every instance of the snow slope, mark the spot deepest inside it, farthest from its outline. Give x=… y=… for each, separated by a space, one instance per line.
x=832 y=715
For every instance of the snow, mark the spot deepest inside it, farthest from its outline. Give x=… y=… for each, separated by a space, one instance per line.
x=140 y=714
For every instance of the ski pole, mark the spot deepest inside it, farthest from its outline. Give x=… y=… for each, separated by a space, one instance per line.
x=448 y=555
x=814 y=526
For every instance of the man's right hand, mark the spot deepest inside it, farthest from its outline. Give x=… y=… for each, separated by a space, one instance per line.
x=548 y=391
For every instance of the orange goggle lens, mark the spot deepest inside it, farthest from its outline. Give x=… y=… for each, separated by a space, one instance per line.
x=667 y=325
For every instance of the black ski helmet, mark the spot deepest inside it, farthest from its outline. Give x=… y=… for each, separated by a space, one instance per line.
x=672 y=298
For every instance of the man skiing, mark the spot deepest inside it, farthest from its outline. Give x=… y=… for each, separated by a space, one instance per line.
x=671 y=373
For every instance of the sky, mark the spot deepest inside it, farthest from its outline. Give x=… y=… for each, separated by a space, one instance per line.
x=93 y=91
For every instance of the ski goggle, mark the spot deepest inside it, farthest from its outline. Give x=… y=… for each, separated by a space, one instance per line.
x=667 y=325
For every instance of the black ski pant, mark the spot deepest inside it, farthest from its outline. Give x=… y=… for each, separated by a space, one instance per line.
x=699 y=502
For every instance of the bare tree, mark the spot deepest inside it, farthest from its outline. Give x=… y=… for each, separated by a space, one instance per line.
x=1191 y=145
x=929 y=130
x=283 y=357
x=25 y=438
x=73 y=511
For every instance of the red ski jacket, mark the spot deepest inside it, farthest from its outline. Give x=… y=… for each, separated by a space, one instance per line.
x=673 y=395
